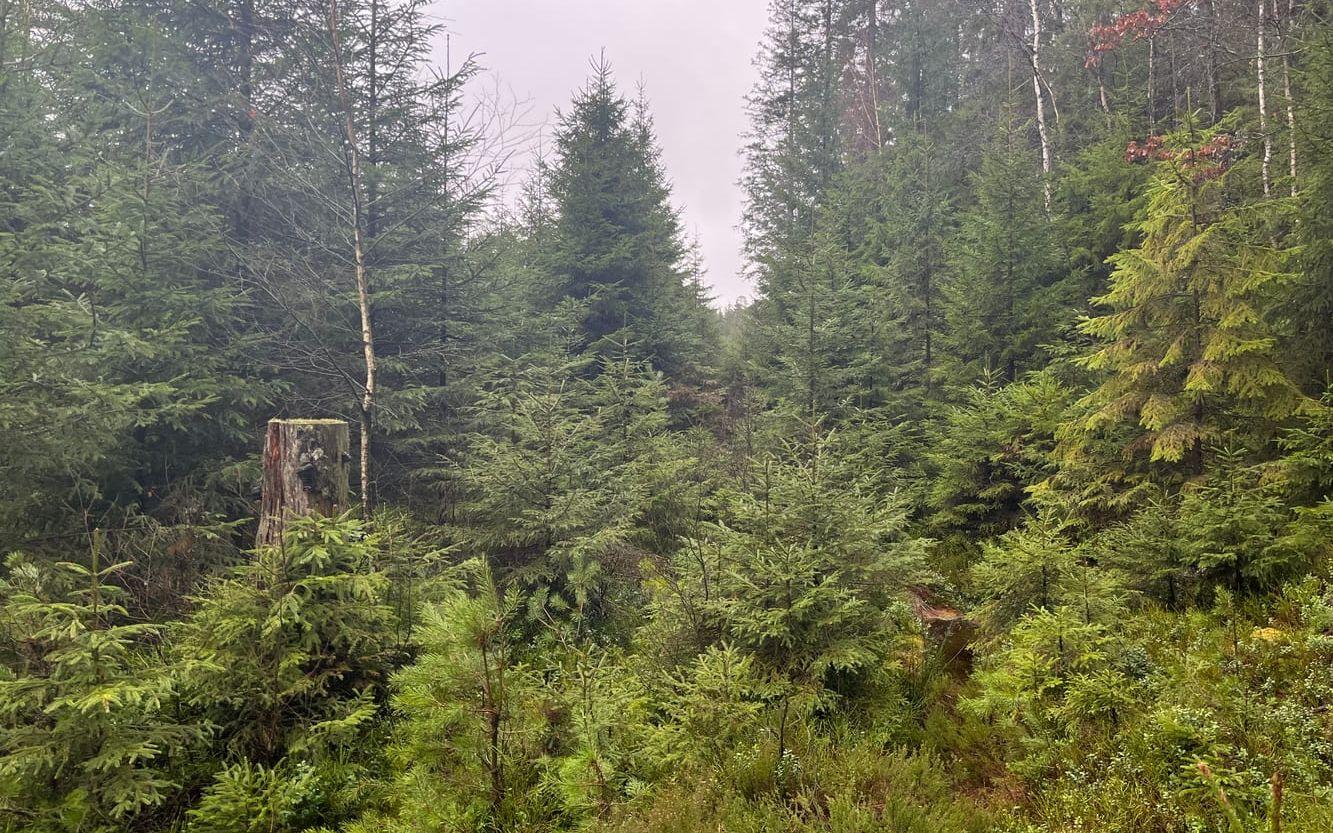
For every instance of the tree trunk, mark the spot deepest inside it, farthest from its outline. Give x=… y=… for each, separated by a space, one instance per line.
x=305 y=473
x=352 y=156
x=1284 y=30
x=1152 y=83
x=871 y=70
x=1042 y=133
x=1266 y=168
x=1101 y=93
x=1210 y=62
x=244 y=208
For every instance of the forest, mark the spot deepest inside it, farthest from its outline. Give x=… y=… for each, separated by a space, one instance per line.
x=1005 y=505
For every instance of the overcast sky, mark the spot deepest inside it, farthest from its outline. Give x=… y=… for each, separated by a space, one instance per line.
x=695 y=59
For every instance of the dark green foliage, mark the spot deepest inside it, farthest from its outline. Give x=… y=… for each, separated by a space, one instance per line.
x=111 y=307
x=1006 y=505
x=90 y=719
x=616 y=242
x=902 y=214
x=1150 y=550
x=991 y=449
x=1002 y=305
x=290 y=654
x=1233 y=526
x=571 y=476
x=1312 y=300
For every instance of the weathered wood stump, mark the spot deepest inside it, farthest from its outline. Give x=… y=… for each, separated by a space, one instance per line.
x=947 y=629
x=305 y=473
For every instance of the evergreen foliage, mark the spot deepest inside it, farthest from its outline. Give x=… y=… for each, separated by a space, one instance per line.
x=1187 y=342
x=1005 y=505
x=290 y=653
x=90 y=719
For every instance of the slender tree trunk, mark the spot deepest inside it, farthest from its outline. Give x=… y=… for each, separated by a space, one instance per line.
x=492 y=708
x=355 y=184
x=1042 y=132
x=792 y=49
x=996 y=352
x=1266 y=167
x=810 y=347
x=1101 y=92
x=245 y=31
x=1283 y=31
x=147 y=194
x=1275 y=785
x=444 y=263
x=928 y=276
x=871 y=70
x=372 y=123
x=1210 y=63
x=1152 y=83
x=1175 y=80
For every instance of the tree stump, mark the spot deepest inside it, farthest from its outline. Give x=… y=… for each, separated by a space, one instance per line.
x=305 y=473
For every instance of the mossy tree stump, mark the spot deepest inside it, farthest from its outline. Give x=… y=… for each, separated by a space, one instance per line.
x=305 y=473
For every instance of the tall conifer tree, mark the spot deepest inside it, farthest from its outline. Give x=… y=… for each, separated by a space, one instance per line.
x=617 y=244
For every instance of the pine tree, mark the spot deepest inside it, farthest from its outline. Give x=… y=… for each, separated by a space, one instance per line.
x=535 y=504
x=645 y=465
x=1187 y=345
x=793 y=155
x=289 y=654
x=90 y=716
x=253 y=798
x=1054 y=670
x=999 y=305
x=472 y=726
x=617 y=244
x=1099 y=196
x=820 y=335
x=794 y=148
x=713 y=706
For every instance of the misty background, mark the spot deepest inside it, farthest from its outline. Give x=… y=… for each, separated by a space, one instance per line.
x=695 y=60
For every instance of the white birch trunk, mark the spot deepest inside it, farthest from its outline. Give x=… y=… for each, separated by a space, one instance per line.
x=1042 y=132
x=1286 y=89
x=1263 y=102
x=354 y=181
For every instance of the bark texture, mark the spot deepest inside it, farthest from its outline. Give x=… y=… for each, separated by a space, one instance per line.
x=305 y=473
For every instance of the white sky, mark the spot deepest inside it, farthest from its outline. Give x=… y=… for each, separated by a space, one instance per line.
x=695 y=60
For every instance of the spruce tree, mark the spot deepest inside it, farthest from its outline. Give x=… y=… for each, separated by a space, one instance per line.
x=991 y=449
x=617 y=244
x=1310 y=345
x=1187 y=346
x=999 y=305
x=90 y=716
x=115 y=366
x=290 y=654
x=902 y=219
x=809 y=582
x=1233 y=527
